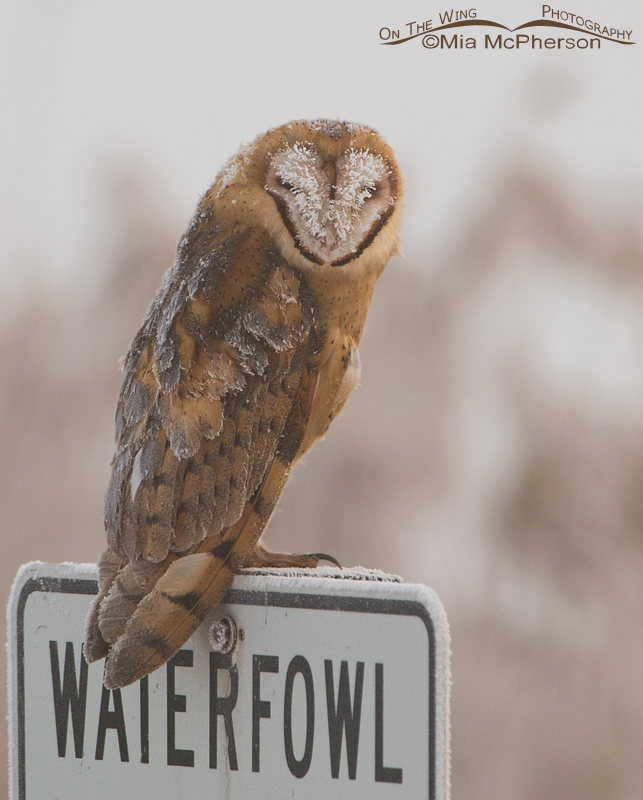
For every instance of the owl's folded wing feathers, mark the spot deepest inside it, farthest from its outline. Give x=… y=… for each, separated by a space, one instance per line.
x=210 y=397
x=204 y=404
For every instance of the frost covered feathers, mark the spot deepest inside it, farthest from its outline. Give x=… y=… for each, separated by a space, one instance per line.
x=247 y=354
x=331 y=206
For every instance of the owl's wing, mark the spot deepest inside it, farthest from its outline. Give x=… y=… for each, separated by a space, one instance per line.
x=209 y=386
x=214 y=405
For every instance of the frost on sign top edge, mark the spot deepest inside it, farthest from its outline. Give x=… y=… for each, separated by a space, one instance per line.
x=351 y=574
x=85 y=571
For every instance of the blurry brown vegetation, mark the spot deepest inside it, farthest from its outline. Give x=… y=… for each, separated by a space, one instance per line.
x=494 y=451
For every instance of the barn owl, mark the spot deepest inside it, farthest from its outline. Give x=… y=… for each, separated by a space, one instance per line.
x=248 y=352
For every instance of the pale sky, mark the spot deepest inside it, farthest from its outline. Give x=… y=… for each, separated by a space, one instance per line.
x=173 y=88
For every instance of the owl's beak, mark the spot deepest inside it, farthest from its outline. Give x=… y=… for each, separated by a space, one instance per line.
x=330 y=171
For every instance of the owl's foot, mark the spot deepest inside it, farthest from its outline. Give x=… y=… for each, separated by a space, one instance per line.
x=260 y=557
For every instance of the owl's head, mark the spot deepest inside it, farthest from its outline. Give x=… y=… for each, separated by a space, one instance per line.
x=335 y=185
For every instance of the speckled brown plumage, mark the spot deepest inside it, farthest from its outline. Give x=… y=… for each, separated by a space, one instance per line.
x=248 y=352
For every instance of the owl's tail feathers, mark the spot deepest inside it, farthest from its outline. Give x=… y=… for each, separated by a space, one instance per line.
x=166 y=618
x=146 y=630
x=95 y=646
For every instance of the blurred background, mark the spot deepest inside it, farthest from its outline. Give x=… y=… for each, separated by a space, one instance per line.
x=494 y=449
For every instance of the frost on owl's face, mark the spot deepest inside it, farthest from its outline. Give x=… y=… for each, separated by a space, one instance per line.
x=333 y=209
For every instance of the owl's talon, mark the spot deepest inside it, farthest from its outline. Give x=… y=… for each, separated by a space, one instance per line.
x=262 y=558
x=326 y=557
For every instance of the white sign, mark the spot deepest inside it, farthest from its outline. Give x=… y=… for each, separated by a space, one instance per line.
x=337 y=687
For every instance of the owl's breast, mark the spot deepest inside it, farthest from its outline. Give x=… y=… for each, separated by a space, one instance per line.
x=338 y=375
x=342 y=296
x=352 y=366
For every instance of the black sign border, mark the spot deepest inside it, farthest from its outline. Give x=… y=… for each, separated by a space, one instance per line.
x=364 y=605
